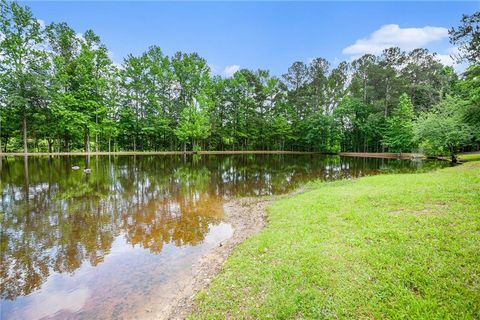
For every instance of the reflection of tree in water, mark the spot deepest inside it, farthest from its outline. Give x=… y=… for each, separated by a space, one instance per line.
x=183 y=223
x=63 y=217
x=185 y=214
x=54 y=219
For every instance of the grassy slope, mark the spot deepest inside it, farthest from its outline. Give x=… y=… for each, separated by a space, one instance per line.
x=469 y=157
x=388 y=246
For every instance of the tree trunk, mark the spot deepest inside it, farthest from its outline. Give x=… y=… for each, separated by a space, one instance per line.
x=387 y=96
x=87 y=140
x=96 y=142
x=87 y=161
x=109 y=144
x=134 y=143
x=96 y=132
x=25 y=142
x=65 y=142
x=50 y=143
x=0 y=137
x=184 y=146
x=25 y=178
x=364 y=88
x=454 y=158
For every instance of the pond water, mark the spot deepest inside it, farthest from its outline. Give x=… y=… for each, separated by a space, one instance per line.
x=113 y=243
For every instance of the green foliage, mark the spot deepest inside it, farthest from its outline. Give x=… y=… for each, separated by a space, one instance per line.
x=52 y=75
x=356 y=122
x=280 y=131
x=194 y=125
x=196 y=148
x=22 y=71
x=443 y=131
x=467 y=37
x=469 y=90
x=399 y=134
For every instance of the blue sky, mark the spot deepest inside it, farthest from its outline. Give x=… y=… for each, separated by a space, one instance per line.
x=268 y=35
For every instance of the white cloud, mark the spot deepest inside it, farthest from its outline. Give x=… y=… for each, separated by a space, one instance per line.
x=451 y=53
x=449 y=58
x=446 y=59
x=41 y=23
x=79 y=36
x=230 y=70
x=392 y=35
x=111 y=55
x=213 y=68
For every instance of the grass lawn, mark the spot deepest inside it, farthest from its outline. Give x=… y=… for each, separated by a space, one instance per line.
x=389 y=246
x=469 y=157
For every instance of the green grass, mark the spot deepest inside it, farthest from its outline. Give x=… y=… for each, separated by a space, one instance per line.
x=389 y=246
x=470 y=157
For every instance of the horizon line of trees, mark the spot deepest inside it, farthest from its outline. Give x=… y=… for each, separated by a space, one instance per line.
x=61 y=92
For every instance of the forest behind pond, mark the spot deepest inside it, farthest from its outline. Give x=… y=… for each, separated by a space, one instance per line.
x=61 y=92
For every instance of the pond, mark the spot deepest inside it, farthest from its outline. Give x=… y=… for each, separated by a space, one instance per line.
x=113 y=243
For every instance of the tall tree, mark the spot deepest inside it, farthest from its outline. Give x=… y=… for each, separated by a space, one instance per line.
x=159 y=85
x=354 y=119
x=336 y=87
x=424 y=79
x=134 y=98
x=194 y=125
x=467 y=37
x=362 y=74
x=91 y=77
x=318 y=70
x=390 y=63
x=296 y=76
x=399 y=131
x=64 y=46
x=23 y=67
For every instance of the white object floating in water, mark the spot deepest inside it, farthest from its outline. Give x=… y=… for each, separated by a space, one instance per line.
x=75 y=167
x=87 y=170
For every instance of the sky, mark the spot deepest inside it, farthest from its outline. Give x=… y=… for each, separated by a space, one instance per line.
x=262 y=35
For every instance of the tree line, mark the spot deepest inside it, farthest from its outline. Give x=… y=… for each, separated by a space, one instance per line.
x=60 y=92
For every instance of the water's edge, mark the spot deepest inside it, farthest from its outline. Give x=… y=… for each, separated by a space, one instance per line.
x=149 y=153
x=247 y=217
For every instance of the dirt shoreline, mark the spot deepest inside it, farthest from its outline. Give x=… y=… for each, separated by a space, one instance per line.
x=247 y=217
x=386 y=155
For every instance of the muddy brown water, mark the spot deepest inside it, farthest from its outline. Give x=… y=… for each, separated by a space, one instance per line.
x=112 y=243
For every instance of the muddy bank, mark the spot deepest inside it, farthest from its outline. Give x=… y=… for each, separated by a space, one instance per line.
x=386 y=155
x=247 y=217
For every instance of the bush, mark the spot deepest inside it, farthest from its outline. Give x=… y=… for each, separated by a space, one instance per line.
x=196 y=148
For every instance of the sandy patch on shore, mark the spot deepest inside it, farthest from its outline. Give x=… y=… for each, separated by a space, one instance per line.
x=247 y=217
